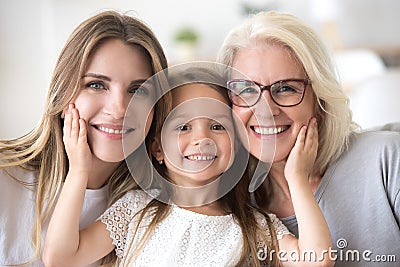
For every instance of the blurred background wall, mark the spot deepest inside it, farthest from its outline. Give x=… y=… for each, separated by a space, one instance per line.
x=361 y=33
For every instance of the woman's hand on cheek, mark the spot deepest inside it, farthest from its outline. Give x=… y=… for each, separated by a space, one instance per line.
x=75 y=142
x=300 y=162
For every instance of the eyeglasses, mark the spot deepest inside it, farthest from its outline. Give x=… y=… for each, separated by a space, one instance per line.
x=284 y=93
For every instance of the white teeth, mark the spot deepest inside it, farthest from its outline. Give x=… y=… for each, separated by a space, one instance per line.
x=112 y=131
x=269 y=130
x=200 y=157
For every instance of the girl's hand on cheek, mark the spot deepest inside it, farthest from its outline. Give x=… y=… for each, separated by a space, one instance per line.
x=300 y=162
x=75 y=142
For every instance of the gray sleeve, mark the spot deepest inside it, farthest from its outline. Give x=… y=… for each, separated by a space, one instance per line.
x=391 y=164
x=397 y=206
x=395 y=126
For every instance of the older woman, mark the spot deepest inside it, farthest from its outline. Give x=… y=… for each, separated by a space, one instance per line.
x=289 y=79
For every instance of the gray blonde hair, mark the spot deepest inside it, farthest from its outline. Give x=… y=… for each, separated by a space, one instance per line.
x=332 y=110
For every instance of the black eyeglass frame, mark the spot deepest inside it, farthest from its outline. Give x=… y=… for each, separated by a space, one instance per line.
x=268 y=87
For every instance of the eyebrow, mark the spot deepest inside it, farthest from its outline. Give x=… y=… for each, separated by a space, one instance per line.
x=98 y=76
x=216 y=117
x=106 y=78
x=138 y=81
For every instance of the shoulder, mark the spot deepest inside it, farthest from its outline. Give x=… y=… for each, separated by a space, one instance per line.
x=372 y=161
x=129 y=205
x=394 y=126
x=277 y=225
x=375 y=142
x=121 y=215
x=377 y=136
x=134 y=200
x=373 y=150
x=17 y=177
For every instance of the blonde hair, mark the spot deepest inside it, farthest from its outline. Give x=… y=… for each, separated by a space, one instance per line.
x=42 y=149
x=332 y=110
x=237 y=200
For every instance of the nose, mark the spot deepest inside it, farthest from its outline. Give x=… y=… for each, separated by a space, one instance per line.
x=266 y=103
x=201 y=136
x=202 y=140
x=117 y=103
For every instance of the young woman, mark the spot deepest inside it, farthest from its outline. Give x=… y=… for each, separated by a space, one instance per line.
x=186 y=222
x=356 y=176
x=99 y=70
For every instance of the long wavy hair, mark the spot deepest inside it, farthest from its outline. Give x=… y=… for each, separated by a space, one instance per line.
x=237 y=201
x=332 y=110
x=42 y=150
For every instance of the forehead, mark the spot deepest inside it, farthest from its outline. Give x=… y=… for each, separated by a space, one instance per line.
x=199 y=91
x=266 y=63
x=120 y=59
x=199 y=101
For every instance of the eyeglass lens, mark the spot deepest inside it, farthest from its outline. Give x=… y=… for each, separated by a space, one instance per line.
x=284 y=93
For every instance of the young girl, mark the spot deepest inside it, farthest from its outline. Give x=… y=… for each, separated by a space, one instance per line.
x=195 y=226
x=100 y=68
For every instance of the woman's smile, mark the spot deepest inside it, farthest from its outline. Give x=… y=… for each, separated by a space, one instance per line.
x=113 y=131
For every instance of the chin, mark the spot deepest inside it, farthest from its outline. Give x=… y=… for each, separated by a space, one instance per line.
x=109 y=157
x=265 y=155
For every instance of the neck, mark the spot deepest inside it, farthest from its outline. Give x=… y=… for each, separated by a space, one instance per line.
x=278 y=180
x=195 y=196
x=210 y=209
x=100 y=173
x=280 y=202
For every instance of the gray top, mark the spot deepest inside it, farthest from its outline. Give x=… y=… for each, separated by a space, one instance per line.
x=359 y=196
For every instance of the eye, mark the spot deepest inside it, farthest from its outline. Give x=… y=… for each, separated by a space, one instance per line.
x=248 y=90
x=217 y=127
x=183 y=127
x=241 y=88
x=96 y=85
x=286 y=88
x=139 y=90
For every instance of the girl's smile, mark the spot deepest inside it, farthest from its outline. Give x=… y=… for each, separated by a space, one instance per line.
x=197 y=137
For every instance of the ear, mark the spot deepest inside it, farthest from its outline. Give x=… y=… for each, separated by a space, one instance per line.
x=156 y=149
x=63 y=113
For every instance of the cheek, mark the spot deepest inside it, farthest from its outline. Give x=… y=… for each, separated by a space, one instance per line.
x=172 y=147
x=301 y=117
x=304 y=112
x=85 y=105
x=225 y=143
x=230 y=149
x=241 y=118
x=149 y=121
x=243 y=114
x=141 y=111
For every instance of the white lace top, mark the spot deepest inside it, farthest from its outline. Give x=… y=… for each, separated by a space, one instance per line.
x=183 y=238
